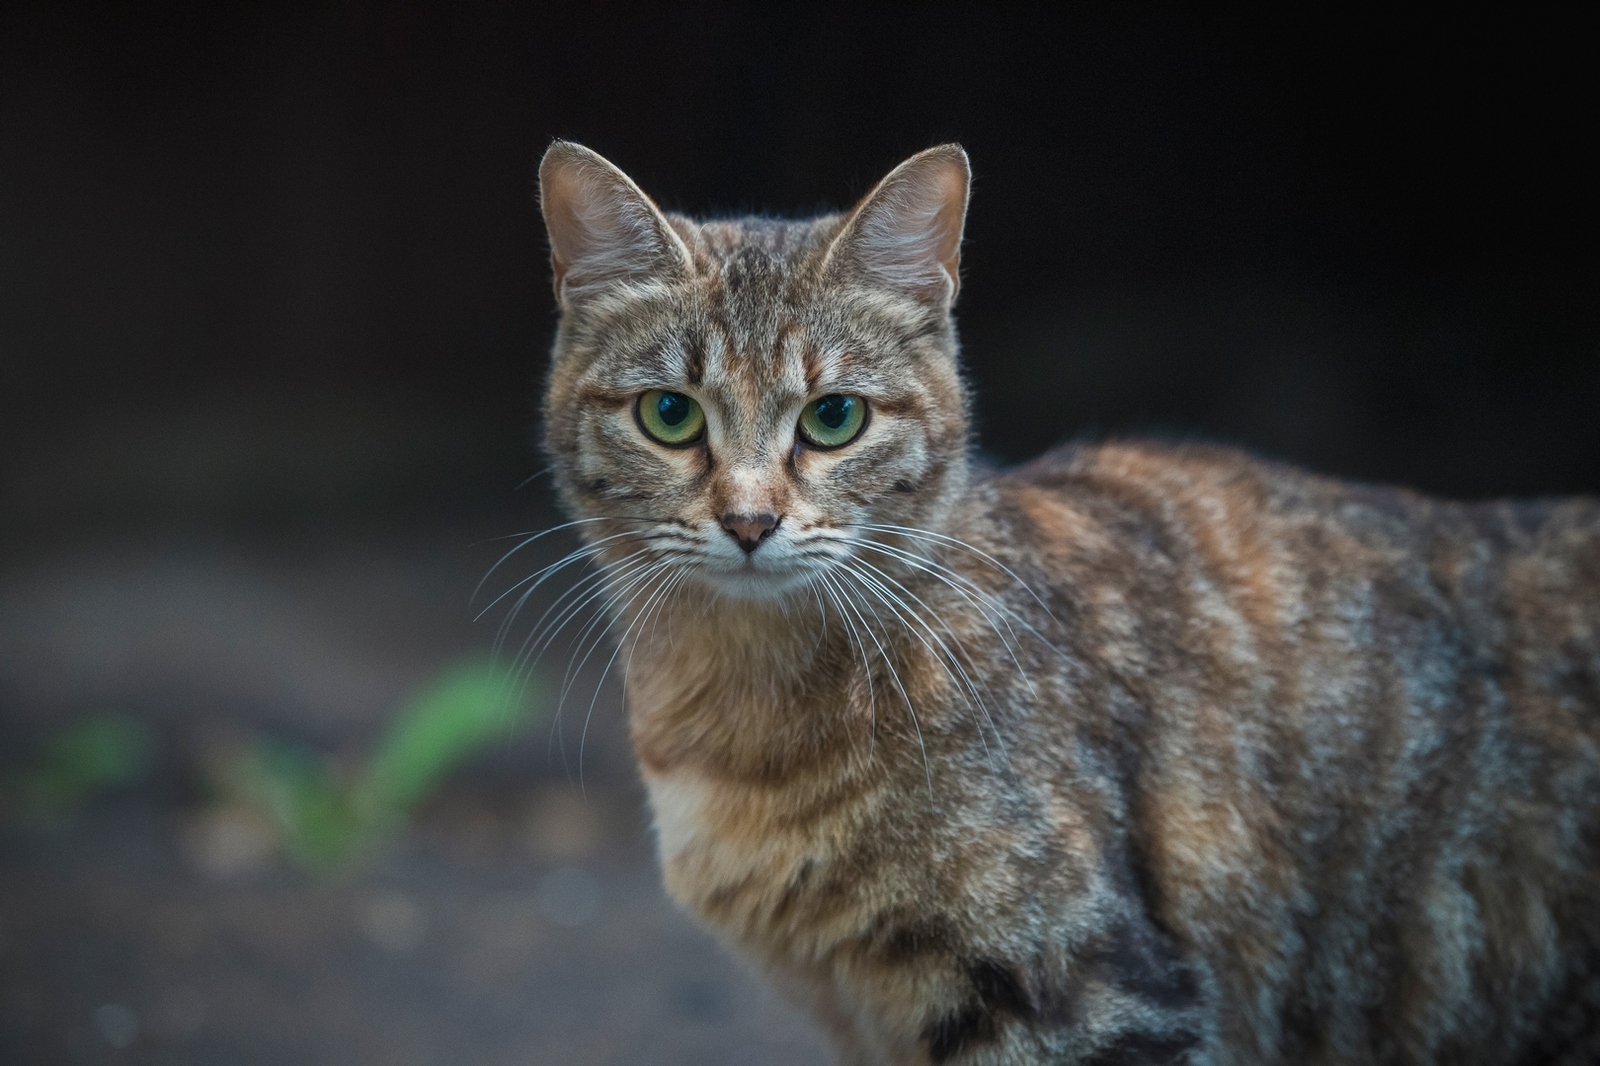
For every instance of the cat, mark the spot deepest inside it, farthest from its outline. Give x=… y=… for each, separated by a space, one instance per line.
x=1140 y=753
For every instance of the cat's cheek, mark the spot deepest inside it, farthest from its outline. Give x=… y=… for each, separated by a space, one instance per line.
x=615 y=464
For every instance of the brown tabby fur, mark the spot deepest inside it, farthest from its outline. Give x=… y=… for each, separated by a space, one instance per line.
x=1138 y=754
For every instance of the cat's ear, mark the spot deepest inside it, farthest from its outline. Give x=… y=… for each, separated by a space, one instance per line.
x=603 y=229
x=906 y=233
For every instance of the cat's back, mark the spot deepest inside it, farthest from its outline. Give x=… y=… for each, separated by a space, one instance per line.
x=1255 y=572
x=1393 y=703
x=1252 y=527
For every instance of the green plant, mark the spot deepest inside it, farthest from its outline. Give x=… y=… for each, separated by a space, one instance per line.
x=94 y=756
x=329 y=824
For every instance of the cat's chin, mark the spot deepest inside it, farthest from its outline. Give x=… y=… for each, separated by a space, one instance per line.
x=751 y=584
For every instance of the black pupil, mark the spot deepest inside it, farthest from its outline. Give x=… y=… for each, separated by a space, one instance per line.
x=834 y=411
x=673 y=408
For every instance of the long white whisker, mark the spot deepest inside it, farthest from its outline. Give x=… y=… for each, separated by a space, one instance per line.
x=930 y=535
x=912 y=621
x=650 y=612
x=822 y=637
x=874 y=582
x=895 y=674
x=516 y=609
x=596 y=579
x=822 y=609
x=903 y=612
x=530 y=539
x=853 y=638
x=618 y=593
x=988 y=607
x=538 y=577
x=543 y=634
x=618 y=587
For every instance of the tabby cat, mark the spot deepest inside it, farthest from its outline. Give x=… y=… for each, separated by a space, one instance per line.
x=1138 y=754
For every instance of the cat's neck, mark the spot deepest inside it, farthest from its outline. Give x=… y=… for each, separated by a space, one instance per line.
x=742 y=688
x=756 y=687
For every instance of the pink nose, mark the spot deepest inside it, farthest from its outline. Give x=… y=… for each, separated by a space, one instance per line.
x=750 y=529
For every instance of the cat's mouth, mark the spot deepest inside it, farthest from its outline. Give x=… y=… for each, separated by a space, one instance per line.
x=750 y=580
x=777 y=566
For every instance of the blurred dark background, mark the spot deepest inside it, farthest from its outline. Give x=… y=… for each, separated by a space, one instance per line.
x=273 y=314
x=1363 y=245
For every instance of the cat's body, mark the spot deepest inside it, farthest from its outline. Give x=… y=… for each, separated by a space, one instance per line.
x=1139 y=754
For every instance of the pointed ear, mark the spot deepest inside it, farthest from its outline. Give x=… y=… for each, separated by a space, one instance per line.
x=603 y=229
x=906 y=233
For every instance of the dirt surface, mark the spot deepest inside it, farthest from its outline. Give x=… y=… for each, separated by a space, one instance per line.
x=520 y=920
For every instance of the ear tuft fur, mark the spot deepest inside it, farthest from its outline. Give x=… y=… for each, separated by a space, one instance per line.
x=906 y=233
x=603 y=229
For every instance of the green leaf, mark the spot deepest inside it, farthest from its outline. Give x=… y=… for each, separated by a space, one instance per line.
x=96 y=755
x=472 y=705
x=329 y=826
x=315 y=821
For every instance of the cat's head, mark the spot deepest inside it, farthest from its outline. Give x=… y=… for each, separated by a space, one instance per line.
x=746 y=397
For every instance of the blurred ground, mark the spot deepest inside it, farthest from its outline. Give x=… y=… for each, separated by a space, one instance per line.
x=521 y=921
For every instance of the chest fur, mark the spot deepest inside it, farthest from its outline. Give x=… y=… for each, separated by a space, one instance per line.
x=720 y=855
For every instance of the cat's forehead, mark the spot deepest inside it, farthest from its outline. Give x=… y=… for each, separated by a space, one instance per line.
x=756 y=322
x=756 y=247
x=750 y=311
x=750 y=265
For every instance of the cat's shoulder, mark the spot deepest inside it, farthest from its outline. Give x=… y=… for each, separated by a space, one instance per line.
x=1155 y=469
x=1154 y=459
x=1216 y=483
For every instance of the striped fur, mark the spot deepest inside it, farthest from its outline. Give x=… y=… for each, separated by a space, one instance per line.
x=1138 y=754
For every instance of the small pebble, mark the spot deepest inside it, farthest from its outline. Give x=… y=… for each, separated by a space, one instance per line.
x=226 y=842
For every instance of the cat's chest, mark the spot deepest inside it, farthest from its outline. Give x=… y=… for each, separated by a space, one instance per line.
x=746 y=837
x=731 y=854
x=680 y=801
x=761 y=788
x=710 y=834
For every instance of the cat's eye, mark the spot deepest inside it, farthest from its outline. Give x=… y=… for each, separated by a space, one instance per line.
x=671 y=417
x=833 y=421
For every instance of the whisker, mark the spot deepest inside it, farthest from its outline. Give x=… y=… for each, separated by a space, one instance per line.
x=980 y=597
x=597 y=577
x=530 y=539
x=585 y=552
x=912 y=621
x=644 y=613
x=545 y=633
x=902 y=611
x=983 y=601
x=822 y=613
x=616 y=586
x=619 y=587
x=853 y=637
x=895 y=674
x=930 y=535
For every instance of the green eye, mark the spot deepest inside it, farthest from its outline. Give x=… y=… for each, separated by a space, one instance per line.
x=833 y=421
x=671 y=417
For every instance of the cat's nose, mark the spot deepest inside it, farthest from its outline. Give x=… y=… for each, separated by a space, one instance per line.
x=750 y=529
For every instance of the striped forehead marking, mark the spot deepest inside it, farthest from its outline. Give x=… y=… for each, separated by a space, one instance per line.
x=811 y=365
x=694 y=359
x=753 y=367
x=789 y=359
x=714 y=355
